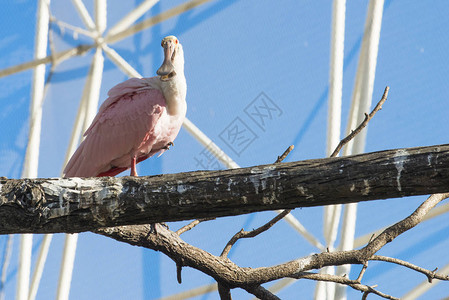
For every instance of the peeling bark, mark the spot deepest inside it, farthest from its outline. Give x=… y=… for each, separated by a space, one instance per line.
x=76 y=204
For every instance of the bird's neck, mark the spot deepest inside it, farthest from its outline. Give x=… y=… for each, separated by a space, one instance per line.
x=174 y=91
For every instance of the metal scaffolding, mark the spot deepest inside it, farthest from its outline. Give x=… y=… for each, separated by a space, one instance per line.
x=102 y=40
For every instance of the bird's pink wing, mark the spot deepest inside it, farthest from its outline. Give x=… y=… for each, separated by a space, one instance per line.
x=131 y=85
x=119 y=128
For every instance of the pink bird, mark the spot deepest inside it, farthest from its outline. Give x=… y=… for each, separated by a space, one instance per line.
x=141 y=117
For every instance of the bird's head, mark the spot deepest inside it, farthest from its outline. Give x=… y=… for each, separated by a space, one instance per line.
x=173 y=58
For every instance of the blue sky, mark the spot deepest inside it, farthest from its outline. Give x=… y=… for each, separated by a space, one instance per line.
x=234 y=51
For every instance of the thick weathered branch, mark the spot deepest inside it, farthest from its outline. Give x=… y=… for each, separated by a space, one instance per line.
x=75 y=205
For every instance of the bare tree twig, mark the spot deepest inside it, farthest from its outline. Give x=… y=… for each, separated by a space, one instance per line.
x=389 y=234
x=365 y=296
x=196 y=222
x=430 y=274
x=179 y=272
x=181 y=231
x=249 y=234
x=284 y=155
x=343 y=280
x=224 y=292
x=362 y=272
x=192 y=225
x=362 y=125
x=262 y=293
x=225 y=271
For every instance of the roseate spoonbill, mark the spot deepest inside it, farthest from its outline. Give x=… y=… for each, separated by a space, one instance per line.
x=141 y=117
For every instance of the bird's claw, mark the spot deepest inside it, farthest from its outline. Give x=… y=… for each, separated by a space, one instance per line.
x=167 y=147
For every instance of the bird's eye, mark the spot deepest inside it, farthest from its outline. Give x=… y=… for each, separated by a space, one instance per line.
x=176 y=41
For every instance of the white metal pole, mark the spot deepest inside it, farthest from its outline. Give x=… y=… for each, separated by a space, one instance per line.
x=120 y=62
x=93 y=85
x=37 y=92
x=92 y=88
x=112 y=38
x=77 y=128
x=32 y=152
x=65 y=276
x=58 y=57
x=6 y=260
x=336 y=75
x=362 y=96
x=39 y=267
x=100 y=15
x=293 y=222
x=45 y=245
x=131 y=17
x=84 y=14
x=332 y=213
x=23 y=276
x=334 y=112
x=372 y=49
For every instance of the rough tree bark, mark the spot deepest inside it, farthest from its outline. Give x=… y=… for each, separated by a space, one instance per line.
x=230 y=274
x=76 y=205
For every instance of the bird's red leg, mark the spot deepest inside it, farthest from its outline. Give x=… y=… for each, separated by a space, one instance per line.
x=133 y=166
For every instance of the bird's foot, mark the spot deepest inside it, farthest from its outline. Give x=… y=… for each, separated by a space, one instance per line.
x=167 y=147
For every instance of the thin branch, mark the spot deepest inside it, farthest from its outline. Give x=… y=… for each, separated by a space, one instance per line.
x=249 y=234
x=389 y=234
x=362 y=272
x=343 y=280
x=284 y=155
x=192 y=225
x=224 y=292
x=196 y=222
x=178 y=272
x=430 y=274
x=362 y=125
x=261 y=293
x=226 y=272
